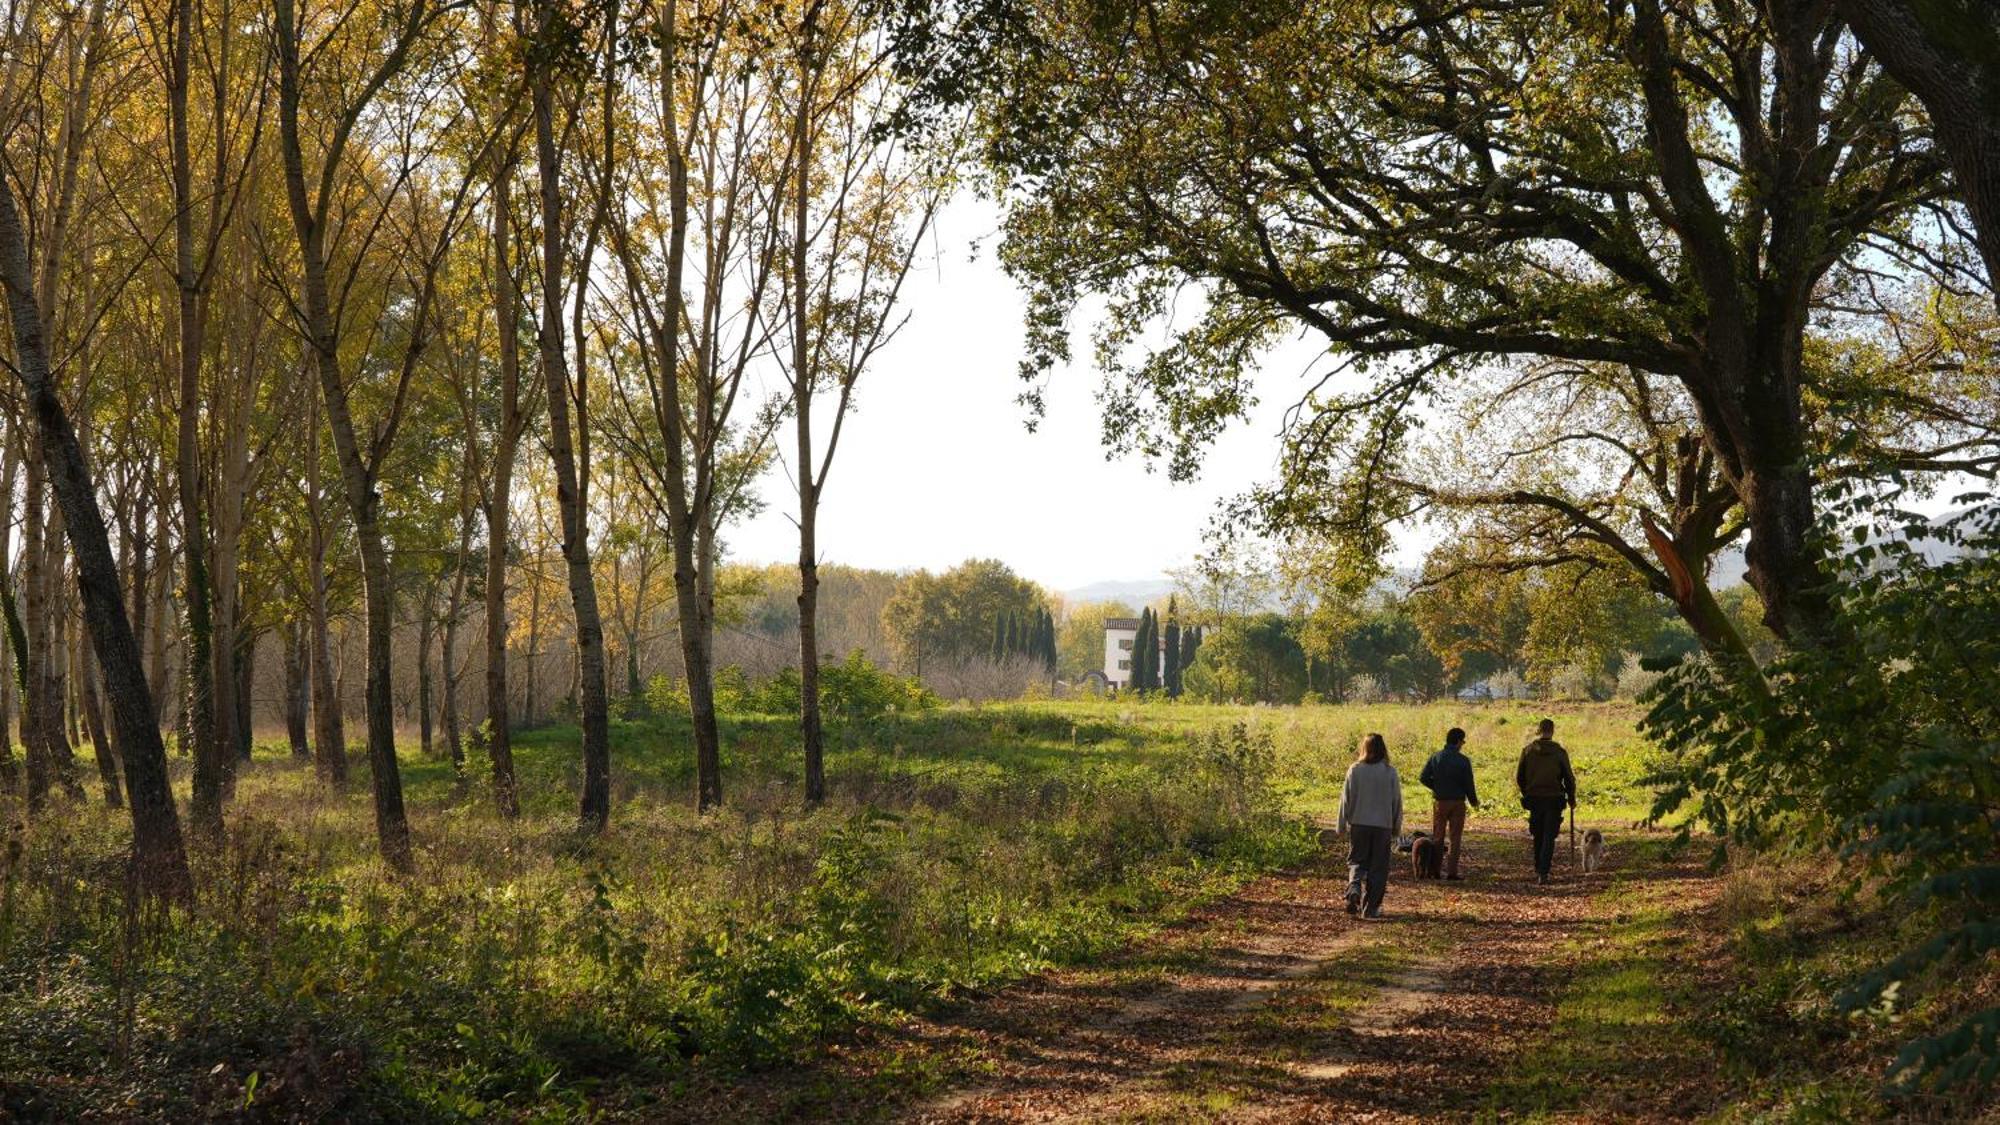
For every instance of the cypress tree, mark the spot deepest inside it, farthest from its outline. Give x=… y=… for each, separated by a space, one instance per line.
x=1049 y=639
x=1013 y=636
x=1145 y=649
x=999 y=649
x=1173 y=650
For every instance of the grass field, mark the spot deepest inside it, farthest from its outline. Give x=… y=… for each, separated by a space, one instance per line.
x=1315 y=745
x=525 y=970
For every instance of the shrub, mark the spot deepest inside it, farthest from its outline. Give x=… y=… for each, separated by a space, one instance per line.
x=1634 y=678
x=1880 y=744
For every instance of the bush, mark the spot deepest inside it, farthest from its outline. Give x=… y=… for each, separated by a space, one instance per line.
x=1879 y=744
x=857 y=689
x=1634 y=678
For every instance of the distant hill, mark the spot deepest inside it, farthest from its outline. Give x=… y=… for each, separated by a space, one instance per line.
x=1136 y=592
x=1729 y=569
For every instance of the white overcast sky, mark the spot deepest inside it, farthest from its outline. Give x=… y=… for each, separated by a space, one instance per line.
x=937 y=464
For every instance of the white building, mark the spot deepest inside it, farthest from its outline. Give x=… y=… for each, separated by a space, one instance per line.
x=1119 y=633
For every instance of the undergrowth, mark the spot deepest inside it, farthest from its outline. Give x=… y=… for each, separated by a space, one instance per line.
x=525 y=971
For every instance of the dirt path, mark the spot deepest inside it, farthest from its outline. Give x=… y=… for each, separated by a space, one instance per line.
x=1274 y=1005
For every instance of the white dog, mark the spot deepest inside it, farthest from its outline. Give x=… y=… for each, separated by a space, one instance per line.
x=1593 y=850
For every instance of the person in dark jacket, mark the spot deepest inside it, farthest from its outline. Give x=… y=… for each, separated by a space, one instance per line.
x=1448 y=775
x=1547 y=787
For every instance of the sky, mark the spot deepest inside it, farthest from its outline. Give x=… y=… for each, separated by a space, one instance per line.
x=937 y=465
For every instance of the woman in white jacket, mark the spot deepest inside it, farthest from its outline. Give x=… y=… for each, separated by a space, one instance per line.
x=1371 y=817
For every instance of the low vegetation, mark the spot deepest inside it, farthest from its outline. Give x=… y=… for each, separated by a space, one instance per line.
x=524 y=967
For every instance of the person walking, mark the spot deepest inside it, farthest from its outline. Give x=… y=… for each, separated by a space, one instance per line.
x=1547 y=787
x=1448 y=775
x=1371 y=817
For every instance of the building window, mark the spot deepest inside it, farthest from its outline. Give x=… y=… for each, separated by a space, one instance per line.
x=1124 y=665
x=1124 y=646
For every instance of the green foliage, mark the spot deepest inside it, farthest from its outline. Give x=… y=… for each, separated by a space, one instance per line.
x=964 y=612
x=853 y=689
x=1253 y=658
x=1882 y=745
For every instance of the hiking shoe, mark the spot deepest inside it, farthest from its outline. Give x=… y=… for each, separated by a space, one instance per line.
x=1541 y=880
x=1374 y=915
x=1353 y=904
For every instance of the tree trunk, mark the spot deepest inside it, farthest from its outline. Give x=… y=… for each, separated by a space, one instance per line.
x=531 y=708
x=454 y=614
x=159 y=859
x=424 y=632
x=246 y=680
x=392 y=828
x=211 y=764
x=11 y=657
x=62 y=662
x=52 y=691
x=329 y=728
x=157 y=669
x=807 y=472
x=34 y=739
x=499 y=703
x=93 y=714
x=572 y=472
x=700 y=670
x=448 y=657
x=357 y=470
x=296 y=693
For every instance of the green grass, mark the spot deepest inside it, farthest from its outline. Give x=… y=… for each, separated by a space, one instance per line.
x=1615 y=1031
x=1314 y=745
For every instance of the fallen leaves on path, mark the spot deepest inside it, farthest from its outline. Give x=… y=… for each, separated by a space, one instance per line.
x=1275 y=1005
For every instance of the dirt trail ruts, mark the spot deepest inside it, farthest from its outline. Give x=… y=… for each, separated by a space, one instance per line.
x=1273 y=1004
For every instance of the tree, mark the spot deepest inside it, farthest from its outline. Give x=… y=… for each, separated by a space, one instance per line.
x=1172 y=676
x=319 y=308
x=555 y=54
x=502 y=428
x=1943 y=51
x=710 y=244
x=861 y=201
x=1190 y=646
x=1251 y=658
x=159 y=858
x=1147 y=653
x=1569 y=210
x=942 y=618
x=1475 y=621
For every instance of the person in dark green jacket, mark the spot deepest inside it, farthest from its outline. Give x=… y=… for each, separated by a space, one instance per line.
x=1547 y=787
x=1448 y=775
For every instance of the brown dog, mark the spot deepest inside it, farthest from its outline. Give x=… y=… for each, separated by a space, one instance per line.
x=1426 y=857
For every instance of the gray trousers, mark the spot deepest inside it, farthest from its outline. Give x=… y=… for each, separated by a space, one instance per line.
x=1368 y=851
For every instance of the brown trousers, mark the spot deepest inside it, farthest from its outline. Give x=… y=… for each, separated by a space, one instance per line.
x=1449 y=817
